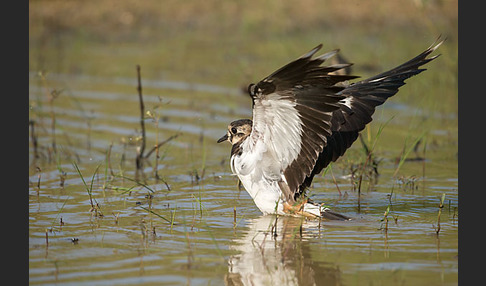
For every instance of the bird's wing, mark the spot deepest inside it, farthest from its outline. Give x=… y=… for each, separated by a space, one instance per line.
x=292 y=113
x=359 y=103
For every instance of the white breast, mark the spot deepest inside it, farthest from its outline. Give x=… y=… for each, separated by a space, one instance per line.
x=266 y=194
x=259 y=178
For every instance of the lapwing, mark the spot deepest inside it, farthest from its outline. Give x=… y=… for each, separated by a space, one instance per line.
x=305 y=116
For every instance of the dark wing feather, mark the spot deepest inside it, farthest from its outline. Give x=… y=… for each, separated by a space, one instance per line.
x=361 y=99
x=311 y=89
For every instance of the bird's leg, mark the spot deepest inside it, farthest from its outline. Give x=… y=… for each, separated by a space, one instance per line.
x=297 y=208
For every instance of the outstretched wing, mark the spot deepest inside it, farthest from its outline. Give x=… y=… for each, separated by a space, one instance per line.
x=292 y=113
x=359 y=103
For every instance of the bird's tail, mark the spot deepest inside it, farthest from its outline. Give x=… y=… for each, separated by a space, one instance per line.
x=330 y=215
x=323 y=212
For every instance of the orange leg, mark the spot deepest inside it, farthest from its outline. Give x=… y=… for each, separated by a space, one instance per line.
x=297 y=209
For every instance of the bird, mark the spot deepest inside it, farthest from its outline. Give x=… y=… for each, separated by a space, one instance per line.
x=305 y=115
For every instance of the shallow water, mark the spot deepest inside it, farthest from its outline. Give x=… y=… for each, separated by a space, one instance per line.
x=192 y=225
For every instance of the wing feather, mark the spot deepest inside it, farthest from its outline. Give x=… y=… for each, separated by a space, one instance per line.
x=292 y=112
x=308 y=116
x=359 y=103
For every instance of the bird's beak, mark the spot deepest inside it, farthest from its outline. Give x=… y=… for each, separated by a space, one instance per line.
x=224 y=138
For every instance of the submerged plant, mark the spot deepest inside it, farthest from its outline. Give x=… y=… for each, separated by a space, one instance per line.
x=406 y=151
x=95 y=207
x=441 y=205
x=384 y=220
x=171 y=221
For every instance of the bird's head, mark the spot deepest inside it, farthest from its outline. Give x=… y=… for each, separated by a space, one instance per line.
x=237 y=131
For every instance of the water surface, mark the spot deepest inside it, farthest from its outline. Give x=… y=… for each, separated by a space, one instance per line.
x=191 y=224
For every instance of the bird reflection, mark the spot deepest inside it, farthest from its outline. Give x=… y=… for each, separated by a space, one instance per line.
x=277 y=250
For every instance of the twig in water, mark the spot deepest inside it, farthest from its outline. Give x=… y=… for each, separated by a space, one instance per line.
x=47 y=238
x=52 y=96
x=385 y=219
x=274 y=228
x=108 y=159
x=141 y=150
x=441 y=205
x=38 y=179
x=116 y=217
x=423 y=163
x=33 y=137
x=160 y=144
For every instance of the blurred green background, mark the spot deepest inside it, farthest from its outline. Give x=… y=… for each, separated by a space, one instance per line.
x=233 y=43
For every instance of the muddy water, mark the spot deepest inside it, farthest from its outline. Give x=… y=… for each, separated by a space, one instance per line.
x=190 y=225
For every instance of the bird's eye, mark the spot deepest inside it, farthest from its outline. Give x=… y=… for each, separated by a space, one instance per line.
x=233 y=130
